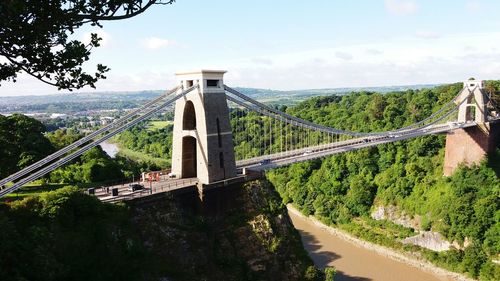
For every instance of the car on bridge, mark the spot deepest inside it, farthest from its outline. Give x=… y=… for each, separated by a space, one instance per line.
x=135 y=187
x=453 y=125
x=265 y=162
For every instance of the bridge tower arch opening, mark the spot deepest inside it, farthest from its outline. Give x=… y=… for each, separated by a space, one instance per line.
x=189 y=116
x=475 y=107
x=202 y=137
x=189 y=152
x=470 y=113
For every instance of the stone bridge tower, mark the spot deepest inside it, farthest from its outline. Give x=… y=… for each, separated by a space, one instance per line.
x=202 y=138
x=470 y=145
x=474 y=109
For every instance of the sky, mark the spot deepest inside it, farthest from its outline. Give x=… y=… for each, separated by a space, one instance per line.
x=295 y=44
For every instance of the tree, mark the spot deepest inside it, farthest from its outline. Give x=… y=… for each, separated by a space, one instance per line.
x=312 y=273
x=492 y=88
x=63 y=137
x=21 y=143
x=360 y=196
x=34 y=37
x=330 y=273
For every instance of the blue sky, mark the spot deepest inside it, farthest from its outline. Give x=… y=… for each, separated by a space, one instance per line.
x=297 y=44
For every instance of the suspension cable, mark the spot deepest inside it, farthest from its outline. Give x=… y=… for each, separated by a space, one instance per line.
x=87 y=147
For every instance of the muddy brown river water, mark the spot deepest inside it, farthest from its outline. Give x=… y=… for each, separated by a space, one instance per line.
x=354 y=263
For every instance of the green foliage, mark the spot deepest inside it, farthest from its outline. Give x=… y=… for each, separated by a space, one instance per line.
x=330 y=273
x=312 y=273
x=342 y=189
x=21 y=143
x=36 y=38
x=62 y=137
x=490 y=272
x=473 y=259
x=492 y=87
x=93 y=166
x=155 y=143
x=67 y=235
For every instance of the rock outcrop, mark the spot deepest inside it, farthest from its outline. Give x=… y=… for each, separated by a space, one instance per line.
x=430 y=240
x=392 y=213
x=252 y=238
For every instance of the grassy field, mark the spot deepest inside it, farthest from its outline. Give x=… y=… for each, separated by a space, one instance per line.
x=37 y=187
x=139 y=156
x=156 y=125
x=31 y=189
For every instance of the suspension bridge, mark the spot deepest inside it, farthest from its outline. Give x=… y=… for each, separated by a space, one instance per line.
x=221 y=134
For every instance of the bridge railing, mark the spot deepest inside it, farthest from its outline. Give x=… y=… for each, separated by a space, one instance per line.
x=158 y=187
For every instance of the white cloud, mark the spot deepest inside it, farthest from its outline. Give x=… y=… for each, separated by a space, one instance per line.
x=427 y=34
x=473 y=5
x=155 y=43
x=401 y=61
x=106 y=38
x=263 y=61
x=143 y=80
x=343 y=55
x=25 y=85
x=401 y=7
x=374 y=52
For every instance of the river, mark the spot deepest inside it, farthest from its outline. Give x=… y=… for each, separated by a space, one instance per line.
x=353 y=262
x=111 y=149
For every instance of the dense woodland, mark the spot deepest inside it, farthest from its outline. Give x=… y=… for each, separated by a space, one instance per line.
x=68 y=235
x=344 y=189
x=156 y=143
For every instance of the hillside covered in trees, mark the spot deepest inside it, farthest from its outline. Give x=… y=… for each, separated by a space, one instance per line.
x=68 y=235
x=344 y=189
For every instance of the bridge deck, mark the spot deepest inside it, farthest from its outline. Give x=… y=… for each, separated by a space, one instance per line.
x=290 y=157
x=124 y=192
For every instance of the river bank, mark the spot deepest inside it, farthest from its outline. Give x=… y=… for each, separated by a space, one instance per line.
x=356 y=259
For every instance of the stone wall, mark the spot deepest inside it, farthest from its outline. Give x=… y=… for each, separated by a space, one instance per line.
x=469 y=146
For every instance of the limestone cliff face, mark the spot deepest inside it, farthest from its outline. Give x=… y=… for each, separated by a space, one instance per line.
x=426 y=239
x=241 y=233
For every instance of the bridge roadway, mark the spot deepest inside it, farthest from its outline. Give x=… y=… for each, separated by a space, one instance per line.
x=286 y=158
x=124 y=193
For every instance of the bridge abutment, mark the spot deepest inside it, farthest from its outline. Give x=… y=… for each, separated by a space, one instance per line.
x=470 y=145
